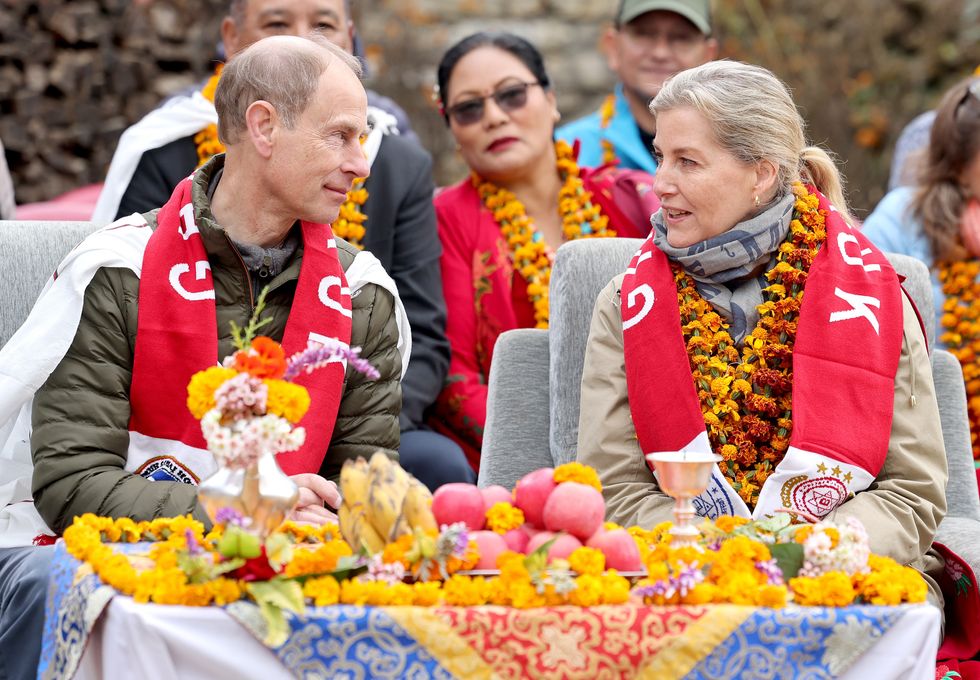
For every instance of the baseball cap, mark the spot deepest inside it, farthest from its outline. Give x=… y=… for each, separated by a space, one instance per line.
x=698 y=12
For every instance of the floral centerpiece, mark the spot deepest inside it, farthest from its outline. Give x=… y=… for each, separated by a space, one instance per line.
x=249 y=410
x=493 y=552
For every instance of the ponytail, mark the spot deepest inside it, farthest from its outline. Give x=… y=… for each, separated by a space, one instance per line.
x=819 y=169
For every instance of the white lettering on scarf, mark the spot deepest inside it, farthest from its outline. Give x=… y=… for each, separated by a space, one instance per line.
x=201 y=268
x=859 y=308
x=328 y=283
x=855 y=260
x=187 y=226
x=646 y=292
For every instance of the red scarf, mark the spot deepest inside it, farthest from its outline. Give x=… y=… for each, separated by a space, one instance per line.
x=177 y=332
x=845 y=358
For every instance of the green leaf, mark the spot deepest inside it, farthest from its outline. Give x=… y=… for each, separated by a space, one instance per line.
x=789 y=557
x=228 y=565
x=538 y=560
x=278 y=550
x=283 y=593
x=277 y=629
x=778 y=521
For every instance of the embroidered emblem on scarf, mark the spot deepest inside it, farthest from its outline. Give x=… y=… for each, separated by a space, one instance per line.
x=177 y=333
x=840 y=400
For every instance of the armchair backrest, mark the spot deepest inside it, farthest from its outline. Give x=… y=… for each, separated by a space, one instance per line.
x=580 y=272
x=31 y=252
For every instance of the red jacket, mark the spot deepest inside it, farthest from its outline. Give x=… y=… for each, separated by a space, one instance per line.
x=485 y=297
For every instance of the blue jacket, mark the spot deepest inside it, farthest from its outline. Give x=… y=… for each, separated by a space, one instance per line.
x=622 y=132
x=893 y=228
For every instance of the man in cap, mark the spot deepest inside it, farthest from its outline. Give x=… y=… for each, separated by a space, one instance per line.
x=650 y=41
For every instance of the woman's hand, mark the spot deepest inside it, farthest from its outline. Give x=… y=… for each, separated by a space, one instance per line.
x=314 y=491
x=800 y=515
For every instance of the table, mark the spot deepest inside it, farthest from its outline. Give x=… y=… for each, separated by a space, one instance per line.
x=94 y=633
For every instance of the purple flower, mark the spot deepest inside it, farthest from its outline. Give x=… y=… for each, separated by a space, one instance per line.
x=193 y=547
x=317 y=355
x=772 y=571
x=227 y=515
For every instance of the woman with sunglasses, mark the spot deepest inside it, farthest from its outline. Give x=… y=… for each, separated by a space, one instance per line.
x=500 y=227
x=938 y=221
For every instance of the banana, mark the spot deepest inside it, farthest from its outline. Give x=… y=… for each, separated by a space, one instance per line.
x=417 y=508
x=354 y=481
x=357 y=531
x=386 y=494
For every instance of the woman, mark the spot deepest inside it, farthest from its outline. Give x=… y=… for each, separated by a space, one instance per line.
x=704 y=345
x=500 y=226
x=938 y=221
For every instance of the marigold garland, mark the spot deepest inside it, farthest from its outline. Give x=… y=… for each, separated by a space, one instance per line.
x=606 y=113
x=746 y=400
x=581 y=218
x=502 y=517
x=349 y=224
x=961 y=331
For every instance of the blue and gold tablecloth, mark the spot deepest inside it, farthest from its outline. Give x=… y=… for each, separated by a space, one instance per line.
x=568 y=642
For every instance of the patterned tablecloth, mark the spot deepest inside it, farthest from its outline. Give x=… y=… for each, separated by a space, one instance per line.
x=484 y=642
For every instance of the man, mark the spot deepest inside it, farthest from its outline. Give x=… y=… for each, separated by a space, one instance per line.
x=136 y=304
x=650 y=41
x=400 y=227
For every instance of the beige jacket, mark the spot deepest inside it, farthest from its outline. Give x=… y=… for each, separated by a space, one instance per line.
x=901 y=510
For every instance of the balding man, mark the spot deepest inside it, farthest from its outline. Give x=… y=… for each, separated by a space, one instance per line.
x=291 y=112
x=390 y=214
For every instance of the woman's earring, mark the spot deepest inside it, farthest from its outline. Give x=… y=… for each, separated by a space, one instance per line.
x=756 y=200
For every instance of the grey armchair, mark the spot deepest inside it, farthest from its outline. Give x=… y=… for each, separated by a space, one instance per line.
x=31 y=252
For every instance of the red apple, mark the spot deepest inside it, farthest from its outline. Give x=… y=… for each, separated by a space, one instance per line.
x=620 y=549
x=459 y=502
x=517 y=540
x=576 y=508
x=531 y=493
x=496 y=494
x=490 y=544
x=563 y=546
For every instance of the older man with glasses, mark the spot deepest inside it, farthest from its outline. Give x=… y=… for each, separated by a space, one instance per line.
x=650 y=41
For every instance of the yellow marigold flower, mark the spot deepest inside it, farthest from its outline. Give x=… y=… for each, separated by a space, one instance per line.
x=502 y=517
x=287 y=400
x=832 y=589
x=728 y=523
x=324 y=591
x=588 y=591
x=615 y=588
x=586 y=560
x=427 y=593
x=702 y=593
x=577 y=472
x=200 y=390
x=772 y=596
x=463 y=591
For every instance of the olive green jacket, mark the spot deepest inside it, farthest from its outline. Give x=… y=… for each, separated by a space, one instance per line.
x=81 y=414
x=901 y=510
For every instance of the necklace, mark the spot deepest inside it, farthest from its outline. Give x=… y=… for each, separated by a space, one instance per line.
x=961 y=330
x=349 y=224
x=746 y=399
x=606 y=112
x=581 y=218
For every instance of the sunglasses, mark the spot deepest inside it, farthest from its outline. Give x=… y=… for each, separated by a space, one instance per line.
x=509 y=98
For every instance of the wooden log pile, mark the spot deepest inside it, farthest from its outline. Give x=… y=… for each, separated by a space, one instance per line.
x=75 y=73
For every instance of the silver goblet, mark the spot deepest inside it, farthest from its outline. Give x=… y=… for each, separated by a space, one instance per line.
x=683 y=475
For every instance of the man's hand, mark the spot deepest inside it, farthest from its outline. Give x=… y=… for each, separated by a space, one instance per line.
x=314 y=491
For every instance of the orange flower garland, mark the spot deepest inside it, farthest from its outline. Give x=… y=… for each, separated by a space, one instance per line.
x=581 y=218
x=349 y=224
x=606 y=112
x=961 y=331
x=747 y=401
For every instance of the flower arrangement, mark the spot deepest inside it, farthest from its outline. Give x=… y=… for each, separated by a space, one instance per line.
x=248 y=404
x=961 y=331
x=747 y=400
x=581 y=218
x=772 y=562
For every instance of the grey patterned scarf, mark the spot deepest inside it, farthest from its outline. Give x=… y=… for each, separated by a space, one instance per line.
x=722 y=266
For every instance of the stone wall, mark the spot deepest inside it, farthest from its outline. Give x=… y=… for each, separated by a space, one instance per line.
x=74 y=74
